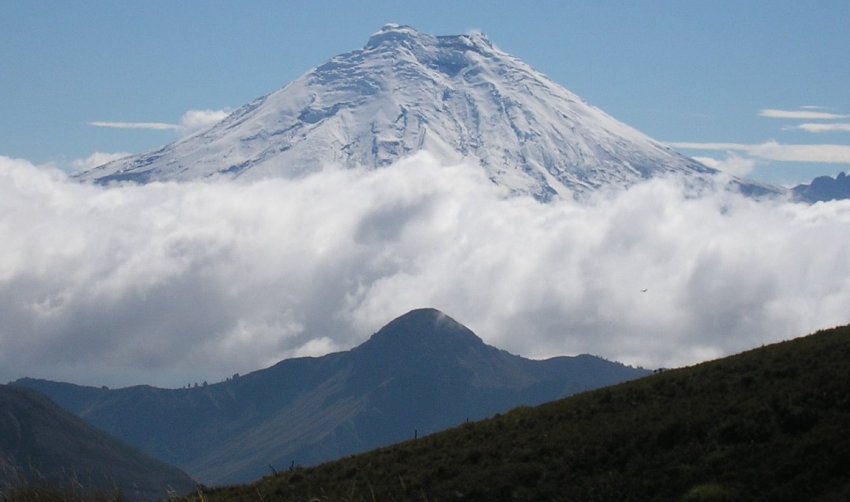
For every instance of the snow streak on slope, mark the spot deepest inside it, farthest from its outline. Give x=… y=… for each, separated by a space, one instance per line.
x=458 y=97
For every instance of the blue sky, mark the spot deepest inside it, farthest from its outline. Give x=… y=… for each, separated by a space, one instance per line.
x=755 y=87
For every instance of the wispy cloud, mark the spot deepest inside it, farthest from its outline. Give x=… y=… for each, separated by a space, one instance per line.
x=192 y=121
x=772 y=150
x=197 y=120
x=733 y=164
x=96 y=159
x=807 y=114
x=173 y=282
x=154 y=126
x=823 y=127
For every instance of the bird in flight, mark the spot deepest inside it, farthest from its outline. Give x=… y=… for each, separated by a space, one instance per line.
x=644 y=290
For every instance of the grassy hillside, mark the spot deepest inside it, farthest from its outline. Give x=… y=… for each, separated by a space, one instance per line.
x=45 y=493
x=769 y=424
x=48 y=454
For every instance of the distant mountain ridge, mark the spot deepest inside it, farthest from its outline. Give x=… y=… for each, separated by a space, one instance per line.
x=458 y=97
x=42 y=444
x=823 y=189
x=421 y=373
x=770 y=424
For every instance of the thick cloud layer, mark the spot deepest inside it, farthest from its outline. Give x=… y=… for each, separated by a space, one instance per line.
x=175 y=283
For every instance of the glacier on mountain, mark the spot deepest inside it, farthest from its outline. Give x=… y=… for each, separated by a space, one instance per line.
x=458 y=97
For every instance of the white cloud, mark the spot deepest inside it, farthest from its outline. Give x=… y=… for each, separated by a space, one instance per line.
x=168 y=283
x=807 y=114
x=154 y=126
x=96 y=159
x=771 y=150
x=191 y=122
x=732 y=164
x=838 y=154
x=198 y=120
x=821 y=127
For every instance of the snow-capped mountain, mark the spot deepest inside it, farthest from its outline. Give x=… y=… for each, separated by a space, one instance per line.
x=458 y=97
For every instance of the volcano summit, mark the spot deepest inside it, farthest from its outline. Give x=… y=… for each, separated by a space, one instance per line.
x=458 y=97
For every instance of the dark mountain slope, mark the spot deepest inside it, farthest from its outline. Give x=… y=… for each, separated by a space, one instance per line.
x=40 y=443
x=823 y=189
x=422 y=373
x=771 y=424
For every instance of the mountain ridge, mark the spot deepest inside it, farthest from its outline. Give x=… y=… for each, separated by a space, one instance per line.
x=41 y=443
x=823 y=189
x=308 y=410
x=768 y=424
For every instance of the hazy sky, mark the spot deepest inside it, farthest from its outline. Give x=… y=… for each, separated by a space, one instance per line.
x=741 y=84
x=171 y=283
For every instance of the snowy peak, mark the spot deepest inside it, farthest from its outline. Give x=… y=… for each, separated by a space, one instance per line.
x=458 y=97
x=394 y=37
